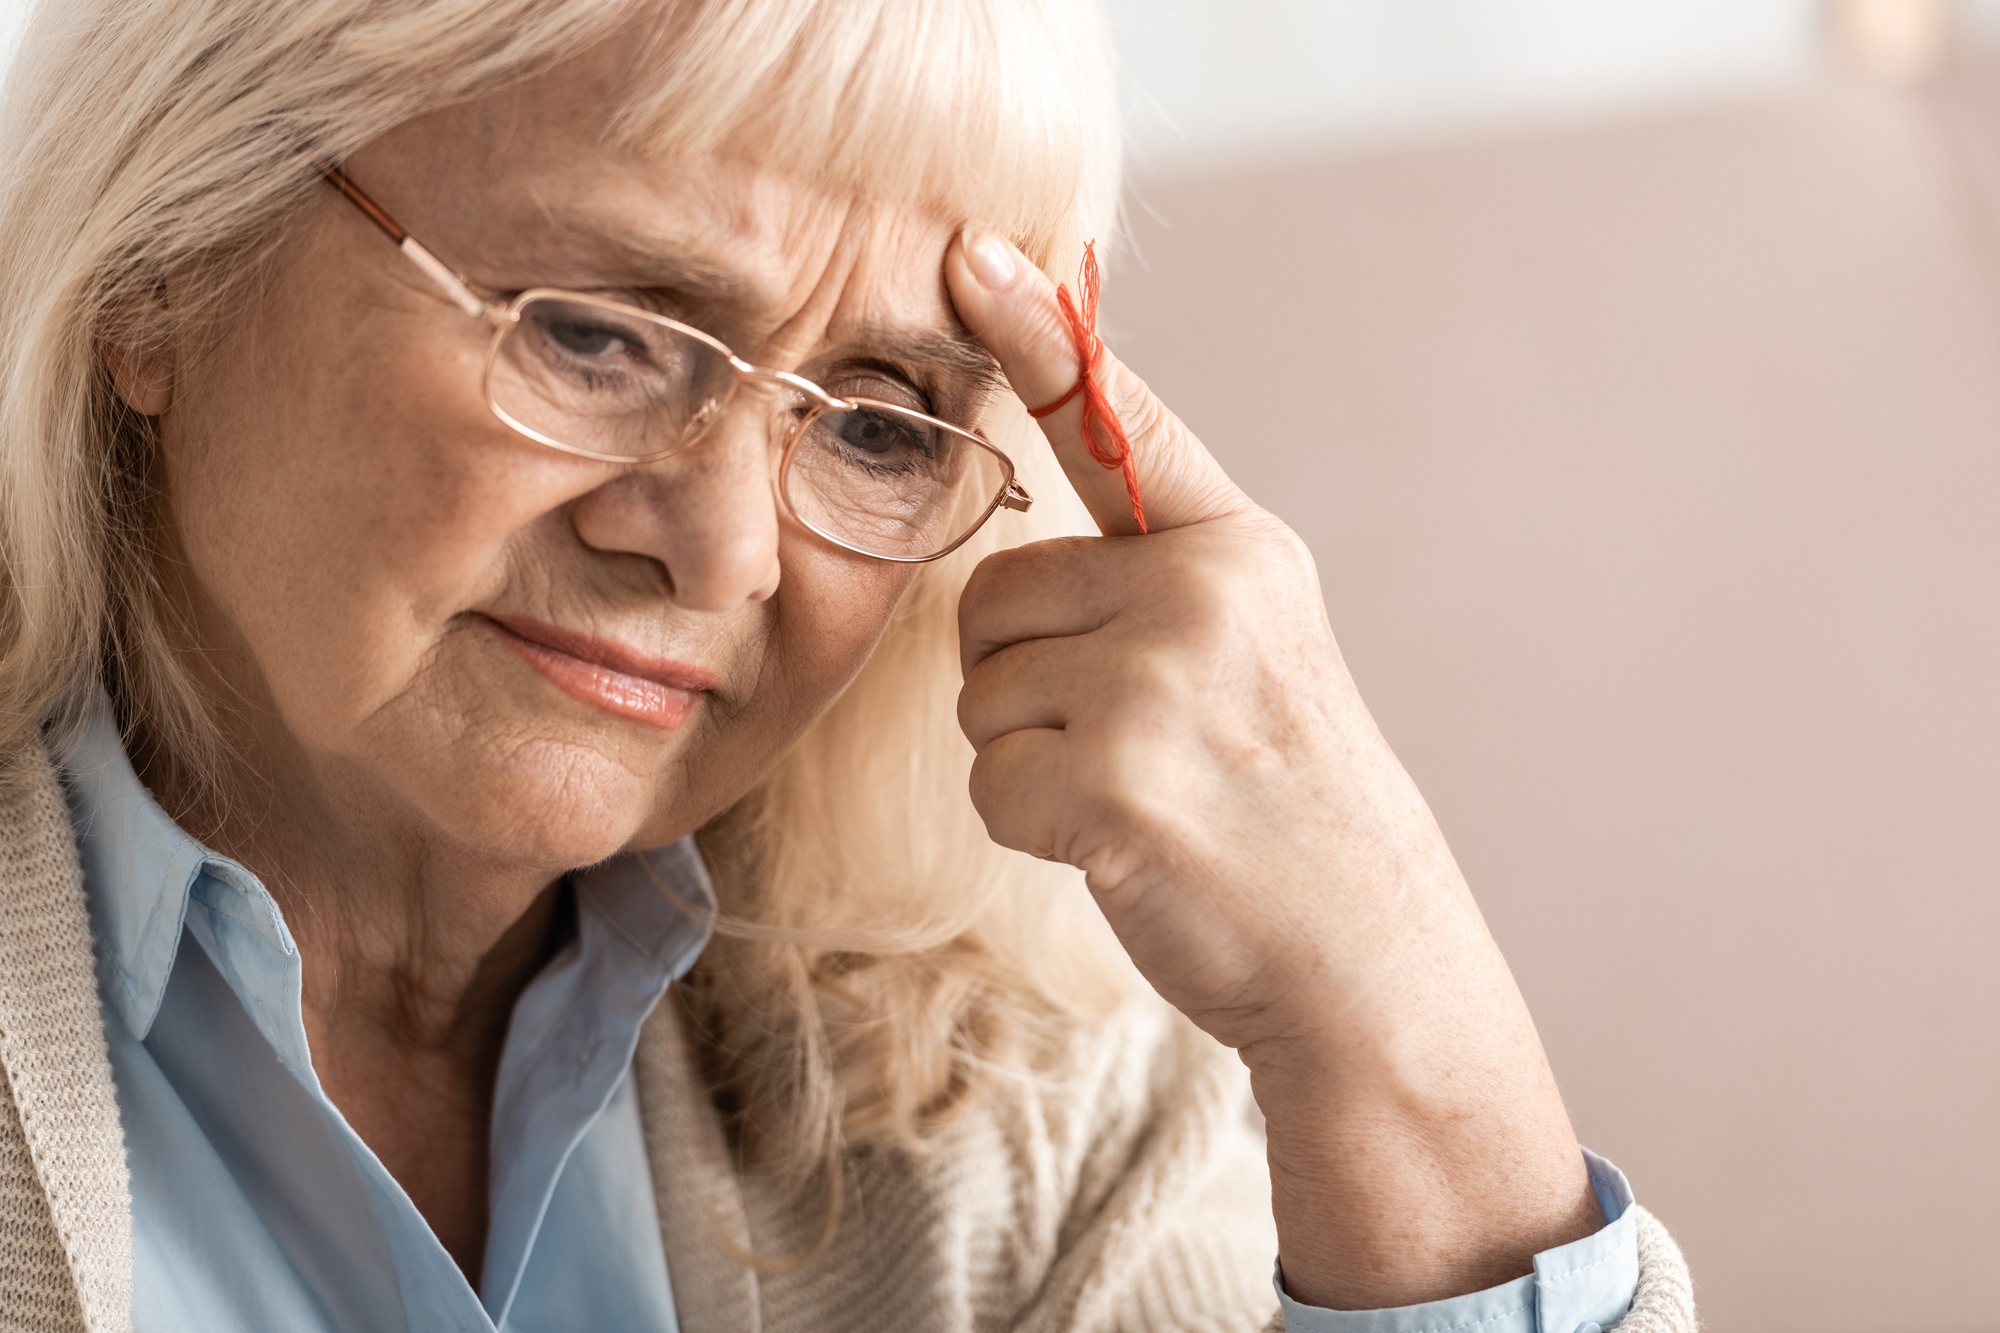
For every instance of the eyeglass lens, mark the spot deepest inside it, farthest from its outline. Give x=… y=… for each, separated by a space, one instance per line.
x=888 y=483
x=614 y=383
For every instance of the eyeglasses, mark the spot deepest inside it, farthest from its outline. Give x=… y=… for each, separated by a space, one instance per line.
x=605 y=380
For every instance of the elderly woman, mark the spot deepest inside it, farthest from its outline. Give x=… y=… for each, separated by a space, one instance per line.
x=512 y=512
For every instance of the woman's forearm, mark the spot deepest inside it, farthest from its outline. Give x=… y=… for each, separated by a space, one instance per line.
x=1419 y=1148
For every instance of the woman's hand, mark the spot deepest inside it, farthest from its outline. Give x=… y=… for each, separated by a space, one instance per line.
x=1170 y=713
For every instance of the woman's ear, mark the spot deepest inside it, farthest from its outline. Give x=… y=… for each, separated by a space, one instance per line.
x=144 y=380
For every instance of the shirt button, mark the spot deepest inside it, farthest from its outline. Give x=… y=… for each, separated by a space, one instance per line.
x=1590 y=1326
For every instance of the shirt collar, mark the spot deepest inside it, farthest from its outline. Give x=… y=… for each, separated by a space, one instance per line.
x=659 y=904
x=138 y=867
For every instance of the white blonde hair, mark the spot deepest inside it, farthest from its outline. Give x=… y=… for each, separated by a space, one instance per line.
x=885 y=959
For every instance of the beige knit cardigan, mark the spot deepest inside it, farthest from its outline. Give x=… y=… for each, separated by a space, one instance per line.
x=1126 y=1191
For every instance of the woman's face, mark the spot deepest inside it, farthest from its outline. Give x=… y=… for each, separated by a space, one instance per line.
x=447 y=626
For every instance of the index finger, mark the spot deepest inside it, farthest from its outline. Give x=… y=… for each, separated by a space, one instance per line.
x=1011 y=307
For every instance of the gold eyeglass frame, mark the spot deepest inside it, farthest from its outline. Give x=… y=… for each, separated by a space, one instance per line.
x=505 y=319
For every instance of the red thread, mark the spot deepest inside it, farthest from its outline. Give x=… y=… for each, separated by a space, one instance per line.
x=1103 y=432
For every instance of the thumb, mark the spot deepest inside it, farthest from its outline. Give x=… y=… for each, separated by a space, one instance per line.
x=1010 y=306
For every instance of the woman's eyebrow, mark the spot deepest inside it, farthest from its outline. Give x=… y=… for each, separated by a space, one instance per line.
x=949 y=355
x=956 y=357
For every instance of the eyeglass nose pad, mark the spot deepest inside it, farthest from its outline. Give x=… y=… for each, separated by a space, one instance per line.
x=782 y=403
x=704 y=416
x=704 y=419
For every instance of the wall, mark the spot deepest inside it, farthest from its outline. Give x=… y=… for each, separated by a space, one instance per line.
x=1211 y=80
x=1652 y=469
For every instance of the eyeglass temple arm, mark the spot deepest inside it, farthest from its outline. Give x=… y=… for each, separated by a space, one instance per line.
x=454 y=287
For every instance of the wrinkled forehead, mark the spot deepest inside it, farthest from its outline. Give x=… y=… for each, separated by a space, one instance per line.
x=530 y=190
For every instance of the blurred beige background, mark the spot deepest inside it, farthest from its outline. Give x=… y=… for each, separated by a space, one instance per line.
x=1650 y=453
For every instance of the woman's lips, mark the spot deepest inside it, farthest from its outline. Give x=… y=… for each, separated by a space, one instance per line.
x=653 y=690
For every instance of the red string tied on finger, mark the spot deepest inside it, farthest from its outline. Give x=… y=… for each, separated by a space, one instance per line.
x=1103 y=433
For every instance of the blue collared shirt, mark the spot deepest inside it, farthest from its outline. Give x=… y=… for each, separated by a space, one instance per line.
x=256 y=1206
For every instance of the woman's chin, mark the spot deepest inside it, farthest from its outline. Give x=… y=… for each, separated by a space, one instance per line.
x=552 y=804
x=501 y=764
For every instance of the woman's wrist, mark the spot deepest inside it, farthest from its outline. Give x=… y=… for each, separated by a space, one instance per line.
x=1417 y=1152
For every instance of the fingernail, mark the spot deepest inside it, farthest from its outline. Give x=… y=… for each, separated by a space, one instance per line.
x=992 y=259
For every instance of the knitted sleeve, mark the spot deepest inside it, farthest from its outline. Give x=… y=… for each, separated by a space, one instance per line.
x=1123 y=1188
x=1170 y=1224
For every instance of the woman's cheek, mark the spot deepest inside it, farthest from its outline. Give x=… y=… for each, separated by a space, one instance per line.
x=834 y=608
x=356 y=580
x=829 y=613
x=324 y=490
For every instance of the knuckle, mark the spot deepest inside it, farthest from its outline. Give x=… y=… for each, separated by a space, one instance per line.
x=1051 y=556
x=1205 y=591
x=984 y=701
x=1235 y=585
x=1142 y=679
x=982 y=786
x=1123 y=781
x=992 y=808
x=969 y=720
x=1288 y=552
x=995 y=786
x=985 y=580
x=1014 y=568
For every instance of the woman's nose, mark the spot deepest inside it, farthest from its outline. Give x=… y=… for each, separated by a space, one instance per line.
x=707 y=515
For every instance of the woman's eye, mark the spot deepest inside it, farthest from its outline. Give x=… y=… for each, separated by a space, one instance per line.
x=582 y=339
x=874 y=440
x=873 y=432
